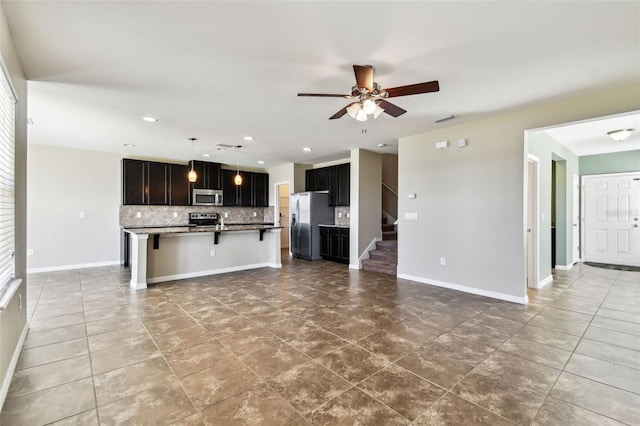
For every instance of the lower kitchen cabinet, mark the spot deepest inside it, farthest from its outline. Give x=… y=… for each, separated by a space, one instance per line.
x=334 y=243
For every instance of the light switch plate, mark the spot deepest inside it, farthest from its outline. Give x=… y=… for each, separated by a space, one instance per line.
x=442 y=144
x=411 y=216
x=138 y=214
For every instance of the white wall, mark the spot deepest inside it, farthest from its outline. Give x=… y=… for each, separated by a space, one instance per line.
x=13 y=319
x=64 y=182
x=366 y=202
x=470 y=201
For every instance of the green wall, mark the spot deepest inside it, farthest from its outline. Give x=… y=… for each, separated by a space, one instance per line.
x=616 y=162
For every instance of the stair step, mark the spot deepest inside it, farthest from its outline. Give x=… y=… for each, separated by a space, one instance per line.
x=389 y=235
x=388 y=227
x=388 y=245
x=380 y=266
x=387 y=256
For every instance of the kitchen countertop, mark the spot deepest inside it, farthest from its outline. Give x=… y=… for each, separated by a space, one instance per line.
x=195 y=229
x=331 y=225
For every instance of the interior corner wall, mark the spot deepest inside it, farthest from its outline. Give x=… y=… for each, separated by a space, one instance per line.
x=63 y=182
x=299 y=177
x=615 y=162
x=470 y=201
x=279 y=174
x=366 y=201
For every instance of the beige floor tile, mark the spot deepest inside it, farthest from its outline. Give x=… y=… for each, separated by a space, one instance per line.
x=55 y=335
x=88 y=418
x=352 y=363
x=453 y=410
x=605 y=372
x=53 y=352
x=273 y=360
x=195 y=358
x=562 y=413
x=121 y=356
x=49 y=375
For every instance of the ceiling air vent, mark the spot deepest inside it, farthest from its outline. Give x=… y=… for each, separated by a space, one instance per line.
x=443 y=118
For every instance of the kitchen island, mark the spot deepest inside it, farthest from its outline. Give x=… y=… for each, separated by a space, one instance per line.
x=161 y=254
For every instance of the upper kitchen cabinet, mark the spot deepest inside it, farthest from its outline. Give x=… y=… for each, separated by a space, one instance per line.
x=254 y=191
x=336 y=179
x=317 y=179
x=179 y=185
x=208 y=175
x=144 y=182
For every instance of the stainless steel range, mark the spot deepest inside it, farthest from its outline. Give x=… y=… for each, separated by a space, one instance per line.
x=203 y=219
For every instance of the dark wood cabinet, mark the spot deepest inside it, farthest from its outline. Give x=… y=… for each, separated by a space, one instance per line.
x=179 y=190
x=254 y=191
x=336 y=179
x=229 y=188
x=334 y=244
x=133 y=182
x=145 y=182
x=207 y=175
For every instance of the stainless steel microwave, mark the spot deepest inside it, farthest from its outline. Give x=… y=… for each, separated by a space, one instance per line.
x=206 y=197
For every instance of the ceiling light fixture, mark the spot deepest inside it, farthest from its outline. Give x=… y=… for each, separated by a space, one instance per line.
x=382 y=145
x=150 y=119
x=360 y=110
x=260 y=162
x=237 y=179
x=249 y=138
x=443 y=118
x=307 y=149
x=192 y=176
x=620 y=134
x=206 y=155
x=129 y=145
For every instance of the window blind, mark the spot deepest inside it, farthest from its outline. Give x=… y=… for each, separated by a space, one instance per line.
x=7 y=183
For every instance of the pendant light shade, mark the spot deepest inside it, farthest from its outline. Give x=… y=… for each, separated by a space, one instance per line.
x=192 y=176
x=237 y=179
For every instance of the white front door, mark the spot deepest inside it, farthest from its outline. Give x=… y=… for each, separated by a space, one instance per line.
x=612 y=218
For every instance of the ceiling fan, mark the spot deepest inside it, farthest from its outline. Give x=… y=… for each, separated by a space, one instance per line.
x=369 y=97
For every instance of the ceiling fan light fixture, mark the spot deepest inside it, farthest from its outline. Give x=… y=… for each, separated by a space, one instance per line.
x=620 y=134
x=353 y=109
x=369 y=106
x=377 y=111
x=361 y=115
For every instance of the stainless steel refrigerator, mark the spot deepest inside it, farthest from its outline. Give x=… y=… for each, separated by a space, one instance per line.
x=308 y=209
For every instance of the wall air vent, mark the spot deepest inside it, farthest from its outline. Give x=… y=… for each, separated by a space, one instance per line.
x=443 y=118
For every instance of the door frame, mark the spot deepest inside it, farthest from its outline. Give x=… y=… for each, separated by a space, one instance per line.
x=577 y=194
x=534 y=256
x=583 y=204
x=276 y=203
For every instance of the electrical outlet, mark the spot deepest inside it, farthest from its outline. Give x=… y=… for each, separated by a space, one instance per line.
x=226 y=214
x=31 y=252
x=138 y=214
x=255 y=214
x=443 y=261
x=175 y=214
x=348 y=215
x=213 y=252
x=339 y=214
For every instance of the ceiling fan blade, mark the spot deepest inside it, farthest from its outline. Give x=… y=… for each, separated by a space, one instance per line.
x=364 y=76
x=325 y=95
x=342 y=112
x=413 y=89
x=391 y=109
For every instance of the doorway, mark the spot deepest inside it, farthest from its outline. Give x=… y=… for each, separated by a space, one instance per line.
x=282 y=189
x=612 y=218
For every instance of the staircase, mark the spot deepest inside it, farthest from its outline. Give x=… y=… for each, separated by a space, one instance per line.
x=384 y=258
x=389 y=232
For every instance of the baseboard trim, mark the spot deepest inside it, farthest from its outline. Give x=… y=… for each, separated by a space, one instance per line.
x=355 y=266
x=6 y=382
x=467 y=289
x=365 y=254
x=545 y=282
x=564 y=267
x=67 y=267
x=197 y=274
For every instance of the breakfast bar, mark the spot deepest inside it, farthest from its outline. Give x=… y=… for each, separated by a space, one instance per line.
x=160 y=254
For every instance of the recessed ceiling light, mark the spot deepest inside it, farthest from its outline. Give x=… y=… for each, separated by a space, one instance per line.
x=443 y=118
x=129 y=145
x=149 y=119
x=222 y=149
x=307 y=149
x=206 y=155
x=249 y=138
x=260 y=162
x=382 y=145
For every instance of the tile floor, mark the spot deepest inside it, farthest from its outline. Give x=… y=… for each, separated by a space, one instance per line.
x=316 y=343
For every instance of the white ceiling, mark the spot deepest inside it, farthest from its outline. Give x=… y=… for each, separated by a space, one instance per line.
x=220 y=70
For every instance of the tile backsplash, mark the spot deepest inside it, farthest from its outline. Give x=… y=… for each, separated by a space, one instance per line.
x=164 y=215
x=341 y=216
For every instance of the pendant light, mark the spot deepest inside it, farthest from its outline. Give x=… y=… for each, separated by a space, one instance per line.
x=237 y=179
x=193 y=176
